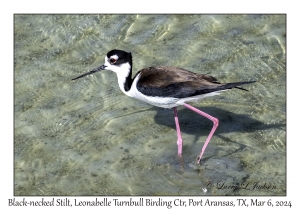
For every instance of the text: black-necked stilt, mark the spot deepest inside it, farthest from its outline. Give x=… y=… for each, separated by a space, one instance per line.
x=165 y=86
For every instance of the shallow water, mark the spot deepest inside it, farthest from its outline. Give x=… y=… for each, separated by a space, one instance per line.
x=85 y=137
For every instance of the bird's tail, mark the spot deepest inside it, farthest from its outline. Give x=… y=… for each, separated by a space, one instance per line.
x=235 y=85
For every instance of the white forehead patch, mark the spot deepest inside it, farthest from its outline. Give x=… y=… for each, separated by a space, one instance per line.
x=107 y=63
x=115 y=57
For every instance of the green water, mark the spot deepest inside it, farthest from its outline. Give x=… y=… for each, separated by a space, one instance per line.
x=86 y=137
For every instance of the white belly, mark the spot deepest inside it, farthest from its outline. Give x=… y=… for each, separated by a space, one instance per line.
x=168 y=102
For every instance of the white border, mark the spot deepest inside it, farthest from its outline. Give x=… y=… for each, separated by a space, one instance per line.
x=8 y=8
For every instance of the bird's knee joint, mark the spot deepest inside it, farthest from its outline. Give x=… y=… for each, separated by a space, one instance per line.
x=216 y=122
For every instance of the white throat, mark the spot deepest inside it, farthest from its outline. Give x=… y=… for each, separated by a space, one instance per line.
x=122 y=72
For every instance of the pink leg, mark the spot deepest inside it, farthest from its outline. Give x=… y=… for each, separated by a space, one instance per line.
x=179 y=141
x=215 y=121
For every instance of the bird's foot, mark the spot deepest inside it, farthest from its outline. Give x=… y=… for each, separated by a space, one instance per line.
x=199 y=160
x=181 y=161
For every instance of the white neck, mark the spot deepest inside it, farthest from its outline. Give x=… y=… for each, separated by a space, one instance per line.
x=122 y=72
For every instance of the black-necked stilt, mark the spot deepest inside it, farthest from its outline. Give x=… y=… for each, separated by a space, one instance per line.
x=165 y=86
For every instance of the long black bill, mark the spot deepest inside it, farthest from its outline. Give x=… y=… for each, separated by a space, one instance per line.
x=91 y=72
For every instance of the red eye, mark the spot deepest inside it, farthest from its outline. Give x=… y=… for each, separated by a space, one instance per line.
x=113 y=60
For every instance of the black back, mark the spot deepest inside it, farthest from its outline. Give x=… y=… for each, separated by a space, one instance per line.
x=168 y=81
